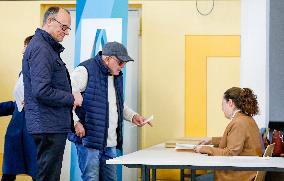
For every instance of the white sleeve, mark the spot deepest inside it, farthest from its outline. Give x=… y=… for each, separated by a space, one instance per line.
x=19 y=93
x=75 y=117
x=79 y=79
x=128 y=113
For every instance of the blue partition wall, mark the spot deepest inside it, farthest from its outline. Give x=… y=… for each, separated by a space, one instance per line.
x=97 y=22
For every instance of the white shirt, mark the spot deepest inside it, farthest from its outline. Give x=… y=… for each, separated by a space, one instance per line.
x=19 y=93
x=79 y=80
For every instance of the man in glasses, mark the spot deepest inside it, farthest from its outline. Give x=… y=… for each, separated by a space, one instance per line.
x=48 y=96
x=98 y=123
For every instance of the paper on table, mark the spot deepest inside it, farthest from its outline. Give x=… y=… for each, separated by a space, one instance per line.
x=181 y=146
x=146 y=121
x=183 y=140
x=184 y=146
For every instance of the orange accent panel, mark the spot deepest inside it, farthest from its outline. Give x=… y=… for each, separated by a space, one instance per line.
x=197 y=49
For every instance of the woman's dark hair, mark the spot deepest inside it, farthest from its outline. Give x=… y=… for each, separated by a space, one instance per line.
x=244 y=99
x=28 y=39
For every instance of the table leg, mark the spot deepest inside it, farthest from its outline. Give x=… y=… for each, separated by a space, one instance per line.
x=181 y=174
x=145 y=173
x=193 y=174
x=153 y=174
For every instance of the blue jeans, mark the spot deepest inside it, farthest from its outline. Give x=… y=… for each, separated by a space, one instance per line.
x=92 y=163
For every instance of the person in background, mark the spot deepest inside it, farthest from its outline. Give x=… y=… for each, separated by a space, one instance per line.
x=48 y=95
x=98 y=123
x=241 y=136
x=19 y=148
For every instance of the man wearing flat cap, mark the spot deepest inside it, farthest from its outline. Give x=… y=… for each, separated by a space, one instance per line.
x=98 y=123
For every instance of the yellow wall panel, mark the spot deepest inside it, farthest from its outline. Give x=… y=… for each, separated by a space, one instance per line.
x=222 y=73
x=19 y=19
x=198 y=48
x=164 y=26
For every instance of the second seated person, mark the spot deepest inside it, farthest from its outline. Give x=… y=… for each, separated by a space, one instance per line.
x=99 y=123
x=241 y=136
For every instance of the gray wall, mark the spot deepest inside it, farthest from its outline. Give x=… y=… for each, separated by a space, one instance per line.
x=276 y=61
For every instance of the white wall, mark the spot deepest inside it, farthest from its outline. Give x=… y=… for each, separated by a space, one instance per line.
x=132 y=90
x=68 y=57
x=254 y=53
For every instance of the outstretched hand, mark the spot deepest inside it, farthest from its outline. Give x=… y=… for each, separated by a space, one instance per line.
x=140 y=121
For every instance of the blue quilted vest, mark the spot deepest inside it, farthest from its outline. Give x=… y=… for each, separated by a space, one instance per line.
x=94 y=113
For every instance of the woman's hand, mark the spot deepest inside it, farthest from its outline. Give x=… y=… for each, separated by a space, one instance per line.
x=197 y=149
x=205 y=141
x=201 y=149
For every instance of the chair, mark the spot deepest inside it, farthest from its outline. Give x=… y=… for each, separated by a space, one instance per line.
x=260 y=175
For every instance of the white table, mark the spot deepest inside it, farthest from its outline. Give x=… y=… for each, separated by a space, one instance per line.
x=160 y=157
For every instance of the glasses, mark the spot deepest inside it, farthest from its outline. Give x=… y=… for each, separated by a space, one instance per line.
x=63 y=26
x=119 y=62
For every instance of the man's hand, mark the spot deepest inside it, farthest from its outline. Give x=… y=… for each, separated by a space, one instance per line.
x=79 y=129
x=140 y=120
x=78 y=99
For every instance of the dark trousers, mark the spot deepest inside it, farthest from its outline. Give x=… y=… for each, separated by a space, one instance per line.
x=8 y=177
x=50 y=150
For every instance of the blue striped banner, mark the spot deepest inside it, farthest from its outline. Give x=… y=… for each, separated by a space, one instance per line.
x=97 y=22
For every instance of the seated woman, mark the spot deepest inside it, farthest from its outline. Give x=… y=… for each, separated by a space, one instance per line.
x=241 y=136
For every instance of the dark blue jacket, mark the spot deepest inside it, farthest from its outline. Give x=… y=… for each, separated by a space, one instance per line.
x=94 y=113
x=19 y=147
x=48 y=95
